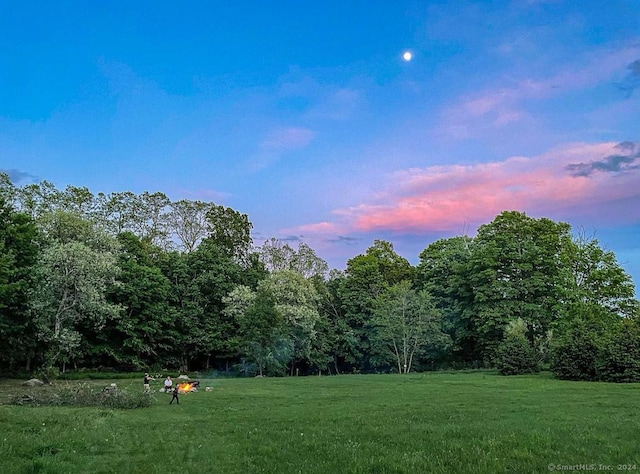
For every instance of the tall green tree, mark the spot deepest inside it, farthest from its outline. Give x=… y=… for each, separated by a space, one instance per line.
x=8 y=190
x=366 y=278
x=392 y=267
x=201 y=280
x=150 y=218
x=144 y=332
x=517 y=271
x=188 y=222
x=335 y=341
x=230 y=230
x=444 y=272
x=117 y=211
x=277 y=255
x=38 y=199
x=214 y=273
x=183 y=299
x=406 y=323
x=236 y=304
x=19 y=249
x=77 y=200
x=73 y=272
x=598 y=279
x=296 y=301
x=262 y=337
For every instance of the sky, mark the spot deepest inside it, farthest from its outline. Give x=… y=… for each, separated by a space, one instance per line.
x=307 y=117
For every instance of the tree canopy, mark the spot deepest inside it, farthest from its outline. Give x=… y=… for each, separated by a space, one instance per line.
x=129 y=280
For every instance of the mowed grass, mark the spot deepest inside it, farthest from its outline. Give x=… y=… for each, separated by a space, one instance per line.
x=435 y=422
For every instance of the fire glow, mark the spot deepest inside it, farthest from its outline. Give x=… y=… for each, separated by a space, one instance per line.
x=186 y=388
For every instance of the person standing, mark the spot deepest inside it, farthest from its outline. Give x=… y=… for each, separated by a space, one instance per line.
x=174 y=396
x=145 y=383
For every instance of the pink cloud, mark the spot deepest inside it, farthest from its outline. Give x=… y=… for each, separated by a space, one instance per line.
x=443 y=198
x=318 y=228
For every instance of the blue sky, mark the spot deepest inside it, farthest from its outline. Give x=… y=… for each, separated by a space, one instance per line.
x=305 y=116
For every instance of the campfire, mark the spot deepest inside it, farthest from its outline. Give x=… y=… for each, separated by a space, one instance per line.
x=188 y=387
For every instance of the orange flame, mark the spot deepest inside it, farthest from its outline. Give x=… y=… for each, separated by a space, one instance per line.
x=184 y=387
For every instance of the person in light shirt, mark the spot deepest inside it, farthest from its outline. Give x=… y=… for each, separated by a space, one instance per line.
x=168 y=384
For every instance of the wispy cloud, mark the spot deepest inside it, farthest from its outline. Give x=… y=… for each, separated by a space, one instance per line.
x=495 y=107
x=632 y=81
x=318 y=96
x=344 y=239
x=287 y=138
x=339 y=104
x=443 y=198
x=292 y=238
x=278 y=142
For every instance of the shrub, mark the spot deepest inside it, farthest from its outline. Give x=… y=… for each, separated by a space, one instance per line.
x=83 y=395
x=47 y=373
x=619 y=357
x=578 y=348
x=574 y=353
x=126 y=400
x=515 y=356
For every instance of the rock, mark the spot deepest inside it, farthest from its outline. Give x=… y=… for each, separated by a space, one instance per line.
x=33 y=382
x=208 y=389
x=183 y=377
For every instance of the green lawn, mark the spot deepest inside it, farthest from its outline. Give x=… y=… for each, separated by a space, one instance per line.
x=436 y=422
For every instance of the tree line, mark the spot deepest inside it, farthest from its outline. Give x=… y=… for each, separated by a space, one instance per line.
x=129 y=281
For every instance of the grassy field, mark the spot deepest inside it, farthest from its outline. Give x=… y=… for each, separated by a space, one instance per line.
x=437 y=422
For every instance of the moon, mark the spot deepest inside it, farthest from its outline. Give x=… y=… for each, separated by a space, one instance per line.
x=407 y=56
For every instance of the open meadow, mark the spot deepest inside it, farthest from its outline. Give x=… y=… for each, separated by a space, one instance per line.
x=434 y=422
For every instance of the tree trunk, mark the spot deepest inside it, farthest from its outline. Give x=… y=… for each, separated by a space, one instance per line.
x=395 y=350
x=184 y=364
